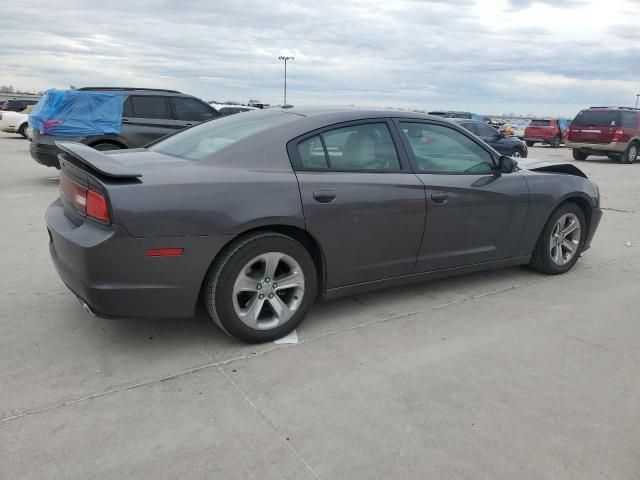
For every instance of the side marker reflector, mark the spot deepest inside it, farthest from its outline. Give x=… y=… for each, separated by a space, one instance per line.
x=164 y=252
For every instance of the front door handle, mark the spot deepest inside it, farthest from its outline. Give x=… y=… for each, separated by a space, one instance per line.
x=324 y=196
x=439 y=197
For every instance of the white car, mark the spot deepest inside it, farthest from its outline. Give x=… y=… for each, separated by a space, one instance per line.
x=15 y=122
x=229 y=109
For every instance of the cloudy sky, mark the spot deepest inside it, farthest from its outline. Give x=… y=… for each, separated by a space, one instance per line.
x=549 y=57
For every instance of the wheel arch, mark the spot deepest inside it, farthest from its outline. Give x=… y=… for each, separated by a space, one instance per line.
x=299 y=234
x=110 y=141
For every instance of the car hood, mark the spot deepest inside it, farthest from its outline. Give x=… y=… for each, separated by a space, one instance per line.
x=538 y=165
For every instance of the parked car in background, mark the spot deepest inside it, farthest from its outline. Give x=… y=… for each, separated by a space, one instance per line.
x=550 y=131
x=518 y=128
x=15 y=122
x=258 y=104
x=229 y=109
x=260 y=214
x=505 y=145
x=457 y=114
x=17 y=105
x=610 y=131
x=147 y=115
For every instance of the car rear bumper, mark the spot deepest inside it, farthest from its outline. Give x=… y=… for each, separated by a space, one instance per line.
x=538 y=139
x=109 y=271
x=44 y=154
x=596 y=215
x=597 y=147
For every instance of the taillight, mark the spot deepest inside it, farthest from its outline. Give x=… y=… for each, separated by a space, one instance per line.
x=97 y=206
x=87 y=202
x=618 y=135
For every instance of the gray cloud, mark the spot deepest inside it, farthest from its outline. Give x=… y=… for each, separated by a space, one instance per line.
x=426 y=54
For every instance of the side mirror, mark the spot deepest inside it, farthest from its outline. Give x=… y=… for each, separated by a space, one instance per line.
x=506 y=165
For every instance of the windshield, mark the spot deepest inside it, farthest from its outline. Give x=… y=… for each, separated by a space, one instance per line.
x=205 y=139
x=540 y=123
x=597 y=117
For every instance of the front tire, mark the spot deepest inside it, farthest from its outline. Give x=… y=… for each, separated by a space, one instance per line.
x=518 y=153
x=630 y=154
x=579 y=155
x=261 y=287
x=555 y=141
x=530 y=143
x=561 y=241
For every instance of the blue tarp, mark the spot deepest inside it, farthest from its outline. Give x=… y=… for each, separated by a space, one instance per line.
x=77 y=113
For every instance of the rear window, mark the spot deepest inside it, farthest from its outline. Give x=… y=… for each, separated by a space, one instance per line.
x=207 y=138
x=540 y=123
x=598 y=117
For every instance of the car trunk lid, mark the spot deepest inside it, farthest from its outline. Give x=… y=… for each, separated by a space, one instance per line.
x=539 y=129
x=595 y=126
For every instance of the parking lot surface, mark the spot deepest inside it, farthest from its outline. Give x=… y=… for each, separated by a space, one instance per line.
x=506 y=374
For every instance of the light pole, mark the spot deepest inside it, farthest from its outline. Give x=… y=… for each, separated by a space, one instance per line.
x=285 y=58
x=637 y=97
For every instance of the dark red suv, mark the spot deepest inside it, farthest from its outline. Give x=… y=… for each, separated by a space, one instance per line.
x=610 y=131
x=552 y=131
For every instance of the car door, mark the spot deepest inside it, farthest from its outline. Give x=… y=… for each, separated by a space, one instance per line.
x=360 y=201
x=474 y=215
x=189 y=111
x=146 y=118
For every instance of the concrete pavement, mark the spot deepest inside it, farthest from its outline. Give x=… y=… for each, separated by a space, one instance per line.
x=503 y=374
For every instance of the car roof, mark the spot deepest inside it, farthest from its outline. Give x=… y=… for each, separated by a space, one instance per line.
x=138 y=91
x=356 y=113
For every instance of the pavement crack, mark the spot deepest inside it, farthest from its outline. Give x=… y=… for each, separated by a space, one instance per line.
x=617 y=210
x=262 y=415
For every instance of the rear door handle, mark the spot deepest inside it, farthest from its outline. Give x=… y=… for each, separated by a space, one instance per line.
x=439 y=197
x=324 y=196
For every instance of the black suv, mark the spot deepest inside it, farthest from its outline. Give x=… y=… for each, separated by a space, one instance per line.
x=147 y=115
x=17 y=105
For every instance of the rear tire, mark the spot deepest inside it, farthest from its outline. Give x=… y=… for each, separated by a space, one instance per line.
x=579 y=155
x=555 y=141
x=545 y=257
x=103 y=147
x=23 y=130
x=530 y=143
x=239 y=291
x=630 y=154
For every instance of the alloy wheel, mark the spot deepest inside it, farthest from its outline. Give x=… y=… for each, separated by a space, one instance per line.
x=565 y=239
x=268 y=290
x=632 y=154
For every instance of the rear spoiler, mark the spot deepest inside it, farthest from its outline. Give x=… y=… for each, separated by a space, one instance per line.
x=104 y=164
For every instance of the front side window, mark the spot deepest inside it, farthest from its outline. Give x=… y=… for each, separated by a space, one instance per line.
x=367 y=146
x=190 y=109
x=149 y=107
x=439 y=149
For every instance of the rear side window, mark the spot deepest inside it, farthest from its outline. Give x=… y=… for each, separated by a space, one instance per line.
x=192 y=110
x=540 y=123
x=628 y=119
x=148 y=107
x=601 y=118
x=366 y=147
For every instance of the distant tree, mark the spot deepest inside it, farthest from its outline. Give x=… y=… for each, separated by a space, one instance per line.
x=7 y=89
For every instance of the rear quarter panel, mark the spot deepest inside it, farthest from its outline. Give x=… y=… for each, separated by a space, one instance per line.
x=546 y=192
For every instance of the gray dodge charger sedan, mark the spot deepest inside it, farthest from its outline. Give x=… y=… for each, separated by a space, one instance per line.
x=261 y=214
